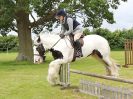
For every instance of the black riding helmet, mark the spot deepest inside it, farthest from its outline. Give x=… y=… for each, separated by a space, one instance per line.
x=61 y=13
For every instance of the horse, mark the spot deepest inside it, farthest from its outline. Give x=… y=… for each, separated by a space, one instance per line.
x=62 y=50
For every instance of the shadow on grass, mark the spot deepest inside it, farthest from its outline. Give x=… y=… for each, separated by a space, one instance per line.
x=66 y=88
x=75 y=88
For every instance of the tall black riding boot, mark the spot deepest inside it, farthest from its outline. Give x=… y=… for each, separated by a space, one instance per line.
x=78 y=48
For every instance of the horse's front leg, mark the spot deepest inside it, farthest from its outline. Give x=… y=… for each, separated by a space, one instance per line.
x=53 y=71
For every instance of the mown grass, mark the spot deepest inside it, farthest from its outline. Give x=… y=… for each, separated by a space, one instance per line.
x=24 y=80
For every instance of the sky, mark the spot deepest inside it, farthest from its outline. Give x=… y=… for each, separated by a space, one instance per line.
x=123 y=17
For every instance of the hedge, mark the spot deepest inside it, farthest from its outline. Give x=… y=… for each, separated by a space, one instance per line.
x=116 y=39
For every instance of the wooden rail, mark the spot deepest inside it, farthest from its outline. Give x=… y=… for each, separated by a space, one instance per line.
x=102 y=76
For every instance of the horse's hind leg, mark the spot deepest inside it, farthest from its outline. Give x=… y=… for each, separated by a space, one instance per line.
x=111 y=67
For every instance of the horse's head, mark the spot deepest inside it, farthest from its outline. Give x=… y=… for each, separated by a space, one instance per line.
x=45 y=42
x=39 y=51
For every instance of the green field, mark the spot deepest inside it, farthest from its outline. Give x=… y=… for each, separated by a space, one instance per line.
x=23 y=80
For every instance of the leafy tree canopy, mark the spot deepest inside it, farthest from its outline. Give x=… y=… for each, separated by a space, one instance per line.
x=92 y=11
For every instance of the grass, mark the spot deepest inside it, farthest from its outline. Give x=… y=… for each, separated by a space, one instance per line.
x=23 y=80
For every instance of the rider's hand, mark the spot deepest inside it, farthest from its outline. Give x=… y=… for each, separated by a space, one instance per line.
x=62 y=35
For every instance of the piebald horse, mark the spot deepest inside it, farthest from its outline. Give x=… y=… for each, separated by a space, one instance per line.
x=63 y=51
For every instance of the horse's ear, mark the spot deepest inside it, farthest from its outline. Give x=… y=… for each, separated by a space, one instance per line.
x=38 y=40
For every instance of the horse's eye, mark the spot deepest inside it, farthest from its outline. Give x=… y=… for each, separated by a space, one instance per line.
x=37 y=48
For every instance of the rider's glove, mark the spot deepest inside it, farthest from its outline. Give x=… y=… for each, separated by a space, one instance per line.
x=62 y=36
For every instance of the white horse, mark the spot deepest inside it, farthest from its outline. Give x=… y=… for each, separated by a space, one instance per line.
x=63 y=51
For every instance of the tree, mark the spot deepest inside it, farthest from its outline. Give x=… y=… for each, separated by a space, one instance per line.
x=14 y=15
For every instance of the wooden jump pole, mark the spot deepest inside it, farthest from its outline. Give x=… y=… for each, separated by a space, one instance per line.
x=102 y=76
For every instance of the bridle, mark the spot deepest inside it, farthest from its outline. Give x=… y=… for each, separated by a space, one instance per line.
x=36 y=54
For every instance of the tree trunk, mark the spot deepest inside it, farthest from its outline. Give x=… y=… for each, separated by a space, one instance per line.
x=24 y=35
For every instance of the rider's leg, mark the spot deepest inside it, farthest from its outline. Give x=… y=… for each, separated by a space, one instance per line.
x=78 y=48
x=77 y=36
x=77 y=44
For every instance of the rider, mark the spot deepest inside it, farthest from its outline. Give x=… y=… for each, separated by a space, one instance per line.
x=70 y=26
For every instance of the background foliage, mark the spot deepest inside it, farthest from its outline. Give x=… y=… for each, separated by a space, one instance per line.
x=10 y=42
x=93 y=12
x=116 y=39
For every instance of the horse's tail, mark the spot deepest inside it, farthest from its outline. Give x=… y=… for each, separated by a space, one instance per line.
x=116 y=62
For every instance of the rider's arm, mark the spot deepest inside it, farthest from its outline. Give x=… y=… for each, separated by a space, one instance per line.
x=70 y=25
x=62 y=29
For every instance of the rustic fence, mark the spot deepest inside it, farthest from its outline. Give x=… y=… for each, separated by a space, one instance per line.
x=64 y=75
x=128 y=52
x=103 y=91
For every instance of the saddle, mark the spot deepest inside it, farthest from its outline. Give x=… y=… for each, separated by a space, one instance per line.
x=80 y=40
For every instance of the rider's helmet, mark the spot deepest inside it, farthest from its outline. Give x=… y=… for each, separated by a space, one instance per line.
x=61 y=12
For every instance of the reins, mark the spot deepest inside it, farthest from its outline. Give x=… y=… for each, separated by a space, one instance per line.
x=52 y=46
x=55 y=43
